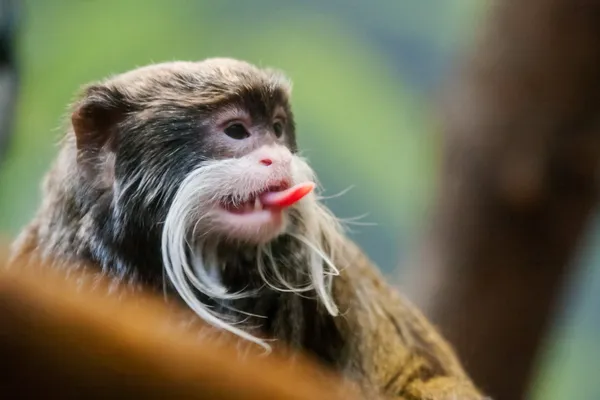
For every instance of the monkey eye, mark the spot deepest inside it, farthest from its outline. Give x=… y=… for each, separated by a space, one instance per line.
x=236 y=131
x=278 y=128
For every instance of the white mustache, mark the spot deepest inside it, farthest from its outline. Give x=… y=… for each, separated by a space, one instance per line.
x=317 y=231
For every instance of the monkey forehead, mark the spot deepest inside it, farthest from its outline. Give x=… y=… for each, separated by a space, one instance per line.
x=208 y=81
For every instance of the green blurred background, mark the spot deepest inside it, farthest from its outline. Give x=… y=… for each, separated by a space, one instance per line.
x=365 y=75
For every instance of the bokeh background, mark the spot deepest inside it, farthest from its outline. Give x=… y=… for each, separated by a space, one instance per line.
x=366 y=75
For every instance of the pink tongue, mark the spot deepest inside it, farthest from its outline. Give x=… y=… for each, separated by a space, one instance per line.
x=288 y=197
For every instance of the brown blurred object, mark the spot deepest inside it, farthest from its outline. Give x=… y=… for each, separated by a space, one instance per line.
x=519 y=183
x=63 y=336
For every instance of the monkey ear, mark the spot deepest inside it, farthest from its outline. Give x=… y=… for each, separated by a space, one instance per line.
x=96 y=116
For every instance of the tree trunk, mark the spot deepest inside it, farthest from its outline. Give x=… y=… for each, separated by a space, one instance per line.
x=519 y=182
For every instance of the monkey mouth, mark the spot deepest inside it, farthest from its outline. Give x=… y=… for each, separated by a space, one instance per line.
x=259 y=217
x=274 y=199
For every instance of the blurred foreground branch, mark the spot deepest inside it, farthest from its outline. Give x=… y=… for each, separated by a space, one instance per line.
x=519 y=182
x=63 y=336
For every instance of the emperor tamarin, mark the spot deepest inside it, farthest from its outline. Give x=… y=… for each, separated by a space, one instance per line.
x=186 y=176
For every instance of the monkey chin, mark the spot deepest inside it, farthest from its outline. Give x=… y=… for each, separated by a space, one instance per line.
x=251 y=222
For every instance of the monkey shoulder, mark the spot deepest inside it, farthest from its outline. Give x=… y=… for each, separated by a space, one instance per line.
x=392 y=346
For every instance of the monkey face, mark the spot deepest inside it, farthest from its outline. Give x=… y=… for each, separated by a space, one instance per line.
x=206 y=148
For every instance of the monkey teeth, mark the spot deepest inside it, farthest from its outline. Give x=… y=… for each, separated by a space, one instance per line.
x=249 y=206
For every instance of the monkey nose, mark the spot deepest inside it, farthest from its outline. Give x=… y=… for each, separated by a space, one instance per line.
x=272 y=155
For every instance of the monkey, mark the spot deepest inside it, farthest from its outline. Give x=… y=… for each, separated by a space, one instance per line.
x=186 y=177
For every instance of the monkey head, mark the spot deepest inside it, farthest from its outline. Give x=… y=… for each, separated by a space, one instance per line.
x=220 y=131
x=186 y=161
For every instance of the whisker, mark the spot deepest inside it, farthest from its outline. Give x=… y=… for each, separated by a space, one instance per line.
x=339 y=194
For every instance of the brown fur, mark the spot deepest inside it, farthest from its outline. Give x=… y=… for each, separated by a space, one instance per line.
x=385 y=344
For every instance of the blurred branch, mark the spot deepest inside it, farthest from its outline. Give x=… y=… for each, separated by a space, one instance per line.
x=63 y=336
x=8 y=71
x=518 y=184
